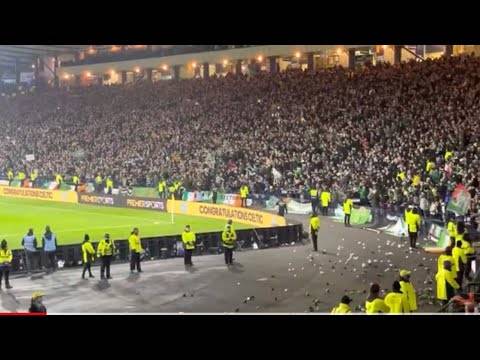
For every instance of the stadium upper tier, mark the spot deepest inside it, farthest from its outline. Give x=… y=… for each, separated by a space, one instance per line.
x=374 y=127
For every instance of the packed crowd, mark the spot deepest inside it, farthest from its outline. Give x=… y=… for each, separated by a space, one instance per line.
x=370 y=131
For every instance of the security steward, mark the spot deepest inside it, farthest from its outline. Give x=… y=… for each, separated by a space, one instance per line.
x=343 y=307
x=10 y=176
x=105 y=251
x=413 y=222
x=21 y=176
x=188 y=240
x=136 y=249
x=314 y=199
x=314 y=226
x=33 y=178
x=375 y=304
x=98 y=183
x=229 y=237
x=75 y=181
x=162 y=187
x=408 y=290
x=396 y=300
x=325 y=198
x=58 y=179
x=347 y=210
x=6 y=257
x=109 y=185
x=459 y=260
x=244 y=194
x=171 y=192
x=446 y=283
x=88 y=257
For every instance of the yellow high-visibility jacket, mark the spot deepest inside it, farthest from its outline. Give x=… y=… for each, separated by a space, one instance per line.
x=6 y=256
x=326 y=198
x=314 y=223
x=413 y=222
x=347 y=206
x=397 y=302
x=244 y=191
x=88 y=252
x=452 y=229
x=376 y=306
x=441 y=260
x=134 y=243
x=409 y=291
x=161 y=186
x=229 y=238
x=341 y=309
x=458 y=255
x=105 y=249
x=188 y=239
x=442 y=277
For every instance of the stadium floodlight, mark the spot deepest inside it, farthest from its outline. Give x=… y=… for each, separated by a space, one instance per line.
x=298 y=54
x=165 y=67
x=260 y=58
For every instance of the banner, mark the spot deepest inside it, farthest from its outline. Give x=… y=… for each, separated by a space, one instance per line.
x=122 y=201
x=399 y=229
x=360 y=216
x=39 y=194
x=146 y=192
x=30 y=157
x=460 y=201
x=145 y=203
x=106 y=200
x=439 y=236
x=241 y=215
x=200 y=196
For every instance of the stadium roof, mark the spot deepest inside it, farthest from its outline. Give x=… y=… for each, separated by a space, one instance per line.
x=24 y=55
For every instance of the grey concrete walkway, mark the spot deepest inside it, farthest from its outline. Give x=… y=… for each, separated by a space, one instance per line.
x=286 y=279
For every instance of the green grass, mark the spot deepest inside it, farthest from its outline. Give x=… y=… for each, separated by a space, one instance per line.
x=71 y=221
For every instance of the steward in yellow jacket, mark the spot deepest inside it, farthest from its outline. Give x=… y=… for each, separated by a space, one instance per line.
x=446 y=283
x=343 y=307
x=325 y=198
x=375 y=304
x=105 y=251
x=229 y=237
x=6 y=257
x=314 y=226
x=88 y=256
x=188 y=240
x=136 y=249
x=397 y=300
x=408 y=290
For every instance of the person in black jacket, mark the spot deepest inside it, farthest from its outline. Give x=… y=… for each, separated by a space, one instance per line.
x=36 y=305
x=282 y=208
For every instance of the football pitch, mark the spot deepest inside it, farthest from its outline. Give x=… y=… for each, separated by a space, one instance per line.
x=71 y=221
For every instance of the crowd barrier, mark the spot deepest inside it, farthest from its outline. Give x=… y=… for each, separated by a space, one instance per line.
x=242 y=215
x=171 y=246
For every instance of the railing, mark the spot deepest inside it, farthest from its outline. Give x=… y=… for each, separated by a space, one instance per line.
x=145 y=54
x=170 y=246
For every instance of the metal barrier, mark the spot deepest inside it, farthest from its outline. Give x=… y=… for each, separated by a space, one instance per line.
x=170 y=246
